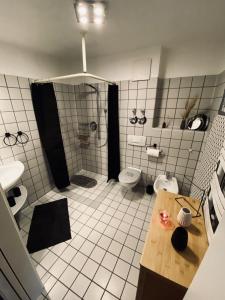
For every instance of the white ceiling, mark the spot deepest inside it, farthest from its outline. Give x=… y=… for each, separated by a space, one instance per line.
x=49 y=26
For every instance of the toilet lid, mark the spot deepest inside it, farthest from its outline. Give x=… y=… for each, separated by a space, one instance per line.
x=129 y=175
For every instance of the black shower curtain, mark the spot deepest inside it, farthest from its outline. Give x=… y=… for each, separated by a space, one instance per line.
x=46 y=112
x=113 y=133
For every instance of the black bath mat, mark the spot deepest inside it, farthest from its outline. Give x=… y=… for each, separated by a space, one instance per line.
x=83 y=181
x=50 y=225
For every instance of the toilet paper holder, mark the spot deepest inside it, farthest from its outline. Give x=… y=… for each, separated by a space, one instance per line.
x=154 y=146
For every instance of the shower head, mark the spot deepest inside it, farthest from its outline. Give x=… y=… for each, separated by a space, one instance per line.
x=93 y=87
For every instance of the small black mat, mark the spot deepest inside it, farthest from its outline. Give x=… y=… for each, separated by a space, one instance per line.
x=50 y=225
x=83 y=181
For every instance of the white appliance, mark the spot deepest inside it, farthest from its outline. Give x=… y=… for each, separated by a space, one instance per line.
x=129 y=177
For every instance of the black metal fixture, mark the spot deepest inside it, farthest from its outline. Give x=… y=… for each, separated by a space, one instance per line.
x=22 y=137
x=143 y=119
x=9 y=139
x=198 y=214
x=134 y=119
x=12 y=139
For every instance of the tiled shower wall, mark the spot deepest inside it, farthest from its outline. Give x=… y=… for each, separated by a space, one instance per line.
x=17 y=114
x=65 y=96
x=91 y=107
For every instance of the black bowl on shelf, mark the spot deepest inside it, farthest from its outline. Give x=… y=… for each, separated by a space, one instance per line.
x=199 y=122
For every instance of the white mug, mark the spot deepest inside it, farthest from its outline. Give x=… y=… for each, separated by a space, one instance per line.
x=184 y=217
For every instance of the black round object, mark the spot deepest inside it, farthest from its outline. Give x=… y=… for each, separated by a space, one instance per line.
x=142 y=120
x=206 y=121
x=133 y=120
x=179 y=239
x=203 y=122
x=11 y=201
x=149 y=189
x=16 y=191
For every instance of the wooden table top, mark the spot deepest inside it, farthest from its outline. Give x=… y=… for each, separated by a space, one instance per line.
x=159 y=255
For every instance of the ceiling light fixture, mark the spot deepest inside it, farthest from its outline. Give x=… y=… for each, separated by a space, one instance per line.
x=82 y=9
x=83 y=20
x=99 y=10
x=90 y=11
x=98 y=20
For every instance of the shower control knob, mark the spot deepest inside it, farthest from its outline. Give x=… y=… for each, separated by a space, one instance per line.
x=93 y=126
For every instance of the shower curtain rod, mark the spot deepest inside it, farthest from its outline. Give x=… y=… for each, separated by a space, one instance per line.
x=77 y=75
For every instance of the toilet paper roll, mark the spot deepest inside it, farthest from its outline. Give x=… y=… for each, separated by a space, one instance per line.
x=153 y=152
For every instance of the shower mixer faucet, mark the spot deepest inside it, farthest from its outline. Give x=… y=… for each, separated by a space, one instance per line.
x=93 y=126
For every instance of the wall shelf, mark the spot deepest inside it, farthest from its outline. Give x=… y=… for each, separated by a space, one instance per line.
x=178 y=129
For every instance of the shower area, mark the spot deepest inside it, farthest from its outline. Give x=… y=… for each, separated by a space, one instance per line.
x=82 y=122
x=91 y=132
x=82 y=110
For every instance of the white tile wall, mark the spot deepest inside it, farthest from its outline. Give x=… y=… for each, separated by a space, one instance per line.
x=173 y=92
x=174 y=143
x=77 y=107
x=16 y=113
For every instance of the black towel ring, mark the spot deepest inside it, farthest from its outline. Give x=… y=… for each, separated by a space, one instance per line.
x=9 y=139
x=22 y=137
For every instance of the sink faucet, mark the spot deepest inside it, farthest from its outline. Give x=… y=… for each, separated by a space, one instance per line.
x=168 y=175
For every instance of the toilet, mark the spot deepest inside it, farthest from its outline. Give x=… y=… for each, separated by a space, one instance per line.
x=129 y=177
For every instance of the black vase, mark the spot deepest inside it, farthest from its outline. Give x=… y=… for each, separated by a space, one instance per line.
x=179 y=239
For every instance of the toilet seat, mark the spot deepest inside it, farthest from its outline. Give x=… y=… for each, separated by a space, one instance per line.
x=129 y=175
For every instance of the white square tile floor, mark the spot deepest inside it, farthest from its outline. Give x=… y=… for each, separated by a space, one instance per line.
x=108 y=228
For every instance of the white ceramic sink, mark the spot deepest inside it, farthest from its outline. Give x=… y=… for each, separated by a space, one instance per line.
x=10 y=174
x=169 y=185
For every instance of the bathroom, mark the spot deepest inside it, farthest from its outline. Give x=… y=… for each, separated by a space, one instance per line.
x=137 y=114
